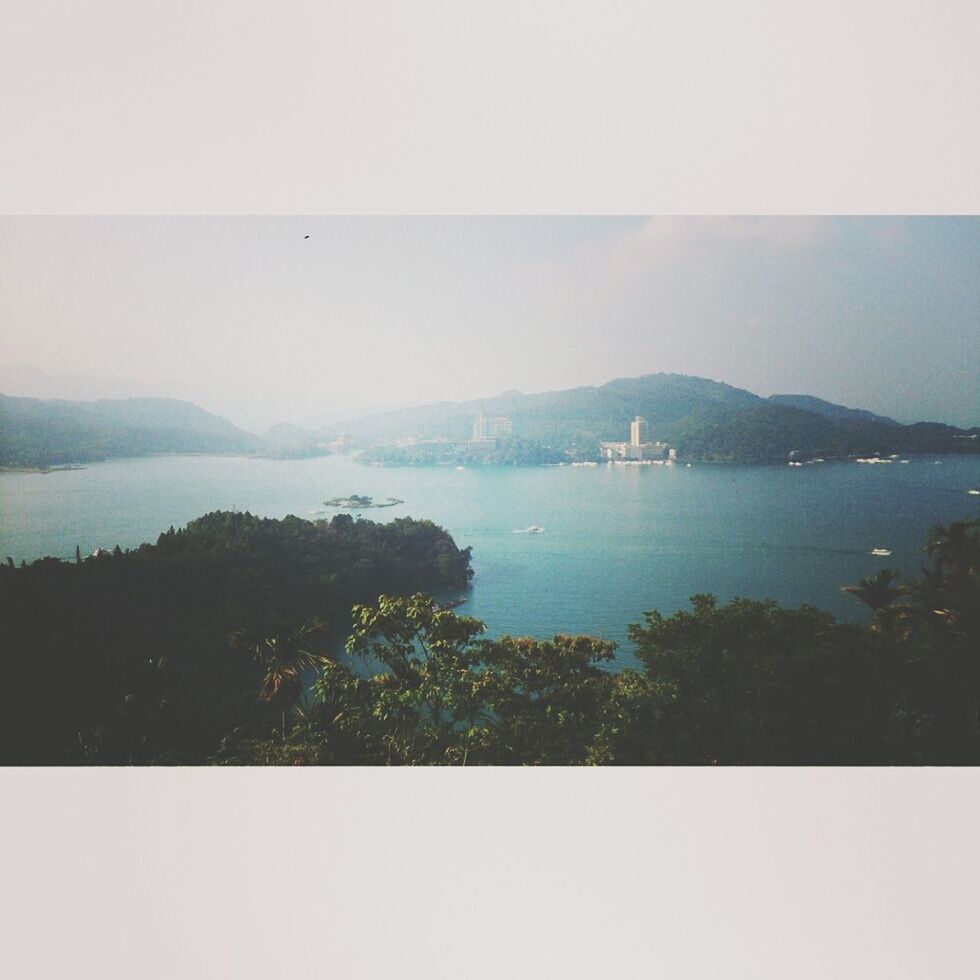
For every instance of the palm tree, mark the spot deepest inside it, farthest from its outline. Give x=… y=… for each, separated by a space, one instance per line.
x=954 y=583
x=283 y=657
x=876 y=591
x=955 y=549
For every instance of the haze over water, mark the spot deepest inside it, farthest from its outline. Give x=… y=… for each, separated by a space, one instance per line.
x=618 y=540
x=307 y=319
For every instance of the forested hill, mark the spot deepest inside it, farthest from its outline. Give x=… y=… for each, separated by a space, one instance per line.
x=213 y=645
x=131 y=652
x=771 y=432
x=566 y=419
x=702 y=419
x=831 y=411
x=34 y=432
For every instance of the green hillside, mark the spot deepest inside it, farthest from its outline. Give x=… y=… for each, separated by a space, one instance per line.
x=821 y=407
x=569 y=419
x=702 y=419
x=770 y=432
x=48 y=433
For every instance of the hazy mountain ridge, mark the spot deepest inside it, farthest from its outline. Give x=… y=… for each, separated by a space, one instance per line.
x=701 y=418
x=35 y=432
x=819 y=406
x=770 y=432
x=574 y=417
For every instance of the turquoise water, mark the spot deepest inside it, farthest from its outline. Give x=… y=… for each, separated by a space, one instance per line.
x=618 y=539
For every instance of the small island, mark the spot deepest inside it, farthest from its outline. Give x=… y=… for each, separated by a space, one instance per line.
x=356 y=502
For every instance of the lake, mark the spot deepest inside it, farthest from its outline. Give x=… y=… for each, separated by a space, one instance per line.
x=617 y=540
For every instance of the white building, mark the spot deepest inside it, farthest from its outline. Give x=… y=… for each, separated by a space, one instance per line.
x=489 y=429
x=639 y=447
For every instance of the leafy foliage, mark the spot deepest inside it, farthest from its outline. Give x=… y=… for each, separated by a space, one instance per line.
x=130 y=651
x=747 y=683
x=132 y=655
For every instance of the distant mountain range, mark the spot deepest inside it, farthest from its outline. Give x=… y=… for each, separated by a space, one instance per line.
x=702 y=419
x=831 y=411
x=47 y=433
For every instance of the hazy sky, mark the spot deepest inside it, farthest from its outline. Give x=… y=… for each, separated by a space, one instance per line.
x=252 y=319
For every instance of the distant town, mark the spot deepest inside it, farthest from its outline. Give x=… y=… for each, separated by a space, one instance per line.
x=493 y=440
x=639 y=448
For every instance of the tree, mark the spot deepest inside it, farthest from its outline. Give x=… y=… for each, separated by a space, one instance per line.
x=753 y=683
x=284 y=657
x=954 y=582
x=445 y=695
x=878 y=592
x=548 y=698
x=428 y=685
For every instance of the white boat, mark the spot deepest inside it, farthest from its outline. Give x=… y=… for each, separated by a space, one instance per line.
x=880 y=552
x=530 y=529
x=974 y=493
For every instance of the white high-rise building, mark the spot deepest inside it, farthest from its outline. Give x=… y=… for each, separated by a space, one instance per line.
x=639 y=448
x=487 y=429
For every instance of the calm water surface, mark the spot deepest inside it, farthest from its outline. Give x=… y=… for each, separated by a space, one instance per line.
x=618 y=539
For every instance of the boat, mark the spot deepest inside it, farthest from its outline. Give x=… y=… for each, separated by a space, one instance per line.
x=530 y=529
x=974 y=493
x=880 y=552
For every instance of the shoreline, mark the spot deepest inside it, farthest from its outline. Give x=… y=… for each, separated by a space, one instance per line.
x=42 y=469
x=683 y=462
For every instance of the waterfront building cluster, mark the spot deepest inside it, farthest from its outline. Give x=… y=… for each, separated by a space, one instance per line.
x=488 y=429
x=639 y=447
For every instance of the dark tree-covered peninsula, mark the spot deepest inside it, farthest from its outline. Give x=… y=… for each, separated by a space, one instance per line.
x=131 y=657
x=218 y=644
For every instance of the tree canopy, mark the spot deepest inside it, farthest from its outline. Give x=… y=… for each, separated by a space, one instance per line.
x=209 y=646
